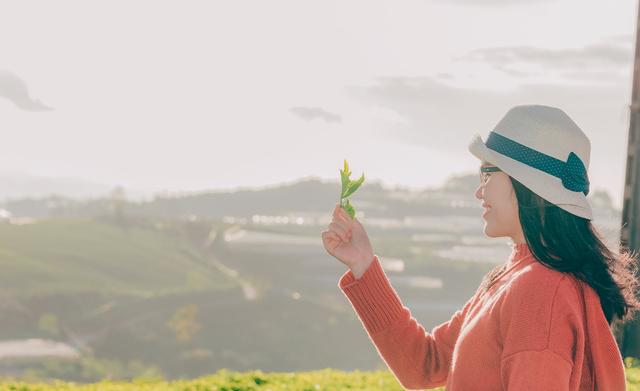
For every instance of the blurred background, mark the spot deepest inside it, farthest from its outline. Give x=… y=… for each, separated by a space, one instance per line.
x=167 y=168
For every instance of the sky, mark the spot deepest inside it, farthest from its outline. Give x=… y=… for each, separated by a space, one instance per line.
x=202 y=95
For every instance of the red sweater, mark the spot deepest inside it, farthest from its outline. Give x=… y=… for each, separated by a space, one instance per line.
x=530 y=331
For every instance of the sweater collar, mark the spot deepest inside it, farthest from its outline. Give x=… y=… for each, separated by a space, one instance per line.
x=520 y=253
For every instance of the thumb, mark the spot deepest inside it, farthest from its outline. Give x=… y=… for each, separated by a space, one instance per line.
x=356 y=222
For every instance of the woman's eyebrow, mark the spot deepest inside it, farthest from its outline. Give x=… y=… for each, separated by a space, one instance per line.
x=486 y=165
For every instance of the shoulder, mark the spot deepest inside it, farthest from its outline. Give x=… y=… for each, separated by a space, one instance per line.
x=539 y=285
x=540 y=306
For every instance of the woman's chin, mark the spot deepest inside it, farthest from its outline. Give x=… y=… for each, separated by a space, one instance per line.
x=488 y=231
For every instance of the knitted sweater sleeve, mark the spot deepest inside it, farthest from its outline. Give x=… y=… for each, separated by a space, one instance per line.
x=418 y=359
x=543 y=336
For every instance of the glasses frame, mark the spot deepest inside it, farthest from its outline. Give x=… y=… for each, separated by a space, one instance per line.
x=484 y=176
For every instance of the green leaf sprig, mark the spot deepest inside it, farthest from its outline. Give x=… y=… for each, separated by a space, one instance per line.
x=348 y=187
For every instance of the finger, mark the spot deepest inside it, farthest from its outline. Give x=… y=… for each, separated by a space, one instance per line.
x=330 y=236
x=330 y=240
x=334 y=236
x=339 y=230
x=344 y=219
x=348 y=219
x=333 y=239
x=342 y=215
x=342 y=224
x=346 y=216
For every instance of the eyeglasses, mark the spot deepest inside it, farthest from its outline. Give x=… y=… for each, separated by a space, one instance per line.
x=484 y=174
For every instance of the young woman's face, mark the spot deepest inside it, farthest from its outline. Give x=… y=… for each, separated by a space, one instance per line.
x=500 y=206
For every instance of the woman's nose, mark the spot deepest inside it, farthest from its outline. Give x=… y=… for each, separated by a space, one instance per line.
x=479 y=192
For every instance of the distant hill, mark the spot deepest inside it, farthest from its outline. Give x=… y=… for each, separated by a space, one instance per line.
x=310 y=196
x=160 y=283
x=15 y=185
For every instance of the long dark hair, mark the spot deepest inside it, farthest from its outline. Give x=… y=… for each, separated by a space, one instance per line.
x=571 y=244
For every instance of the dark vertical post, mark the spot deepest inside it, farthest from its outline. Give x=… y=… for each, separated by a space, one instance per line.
x=628 y=334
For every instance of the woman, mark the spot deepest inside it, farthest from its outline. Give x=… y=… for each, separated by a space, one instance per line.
x=542 y=319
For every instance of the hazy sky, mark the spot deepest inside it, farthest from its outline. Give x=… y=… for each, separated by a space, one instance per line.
x=189 y=95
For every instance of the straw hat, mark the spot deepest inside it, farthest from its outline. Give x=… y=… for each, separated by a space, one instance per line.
x=541 y=147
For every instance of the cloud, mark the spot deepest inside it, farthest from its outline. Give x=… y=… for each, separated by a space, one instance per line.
x=436 y=114
x=493 y=2
x=609 y=56
x=563 y=58
x=442 y=117
x=13 y=88
x=624 y=39
x=310 y=113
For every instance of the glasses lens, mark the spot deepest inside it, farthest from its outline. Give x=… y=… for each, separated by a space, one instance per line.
x=485 y=172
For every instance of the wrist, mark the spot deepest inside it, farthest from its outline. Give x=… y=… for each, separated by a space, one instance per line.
x=359 y=268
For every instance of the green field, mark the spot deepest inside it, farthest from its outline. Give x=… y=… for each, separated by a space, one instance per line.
x=223 y=380
x=77 y=255
x=144 y=283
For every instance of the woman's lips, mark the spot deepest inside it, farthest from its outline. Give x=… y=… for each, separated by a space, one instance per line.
x=486 y=211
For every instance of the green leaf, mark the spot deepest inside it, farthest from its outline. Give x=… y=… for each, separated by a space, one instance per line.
x=346 y=167
x=344 y=176
x=353 y=186
x=348 y=187
x=345 y=183
x=349 y=209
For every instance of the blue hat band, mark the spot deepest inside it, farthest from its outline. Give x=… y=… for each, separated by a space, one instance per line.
x=572 y=172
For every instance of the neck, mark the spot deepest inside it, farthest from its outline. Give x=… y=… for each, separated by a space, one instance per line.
x=518 y=238
x=519 y=252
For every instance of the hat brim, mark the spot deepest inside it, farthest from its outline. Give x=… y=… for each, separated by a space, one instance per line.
x=545 y=185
